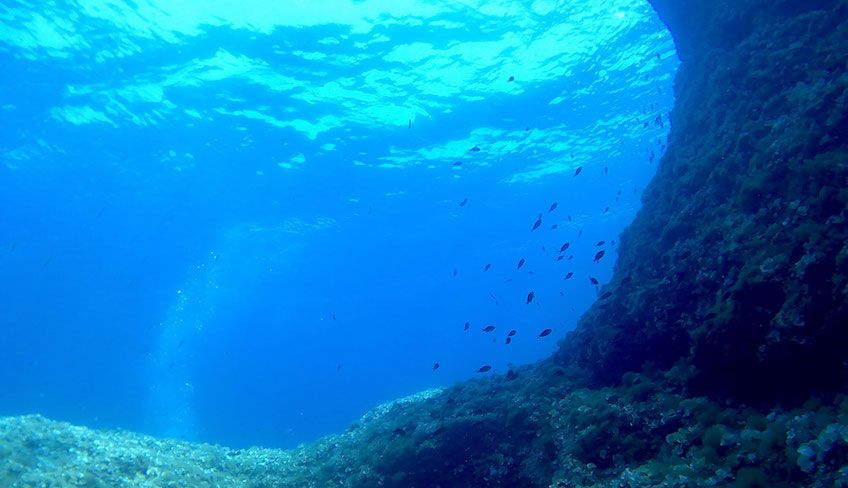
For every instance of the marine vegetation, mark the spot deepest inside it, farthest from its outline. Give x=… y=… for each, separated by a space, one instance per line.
x=717 y=356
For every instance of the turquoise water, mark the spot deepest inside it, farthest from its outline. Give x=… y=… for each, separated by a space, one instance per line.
x=250 y=222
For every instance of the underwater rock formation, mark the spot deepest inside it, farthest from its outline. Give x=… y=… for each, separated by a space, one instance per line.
x=735 y=267
x=539 y=433
x=718 y=360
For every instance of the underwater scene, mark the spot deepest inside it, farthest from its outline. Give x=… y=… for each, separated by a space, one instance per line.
x=424 y=243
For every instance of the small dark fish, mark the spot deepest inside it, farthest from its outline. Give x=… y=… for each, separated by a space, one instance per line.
x=463 y=202
x=593 y=280
x=579 y=232
x=458 y=163
x=543 y=249
x=488 y=328
x=569 y=218
x=561 y=293
x=570 y=257
x=578 y=170
x=554 y=226
x=511 y=78
x=494 y=298
x=572 y=155
x=564 y=247
x=626 y=280
x=435 y=366
x=475 y=149
x=527 y=129
x=180 y=344
x=399 y=432
x=606 y=171
x=537 y=223
x=484 y=369
x=334 y=316
x=569 y=275
x=409 y=126
x=508 y=340
x=511 y=333
x=530 y=296
x=553 y=207
x=658 y=58
x=338 y=367
x=601 y=243
x=606 y=210
x=606 y=295
x=599 y=255
x=511 y=375
x=545 y=332
x=454 y=271
x=467 y=325
x=560 y=257
x=520 y=263
x=487 y=267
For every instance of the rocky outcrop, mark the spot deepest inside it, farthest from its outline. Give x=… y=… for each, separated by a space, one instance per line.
x=735 y=268
x=718 y=360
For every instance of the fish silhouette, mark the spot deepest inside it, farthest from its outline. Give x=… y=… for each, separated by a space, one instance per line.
x=537 y=223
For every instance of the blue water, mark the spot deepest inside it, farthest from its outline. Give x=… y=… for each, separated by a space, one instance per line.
x=240 y=222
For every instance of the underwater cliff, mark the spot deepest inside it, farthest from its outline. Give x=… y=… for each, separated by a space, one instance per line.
x=719 y=359
x=735 y=266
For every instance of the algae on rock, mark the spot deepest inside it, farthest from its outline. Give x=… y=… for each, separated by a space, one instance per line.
x=719 y=360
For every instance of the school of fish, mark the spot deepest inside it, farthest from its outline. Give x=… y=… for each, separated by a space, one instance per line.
x=562 y=255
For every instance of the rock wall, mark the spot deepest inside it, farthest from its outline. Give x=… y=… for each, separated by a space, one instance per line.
x=735 y=268
x=731 y=285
